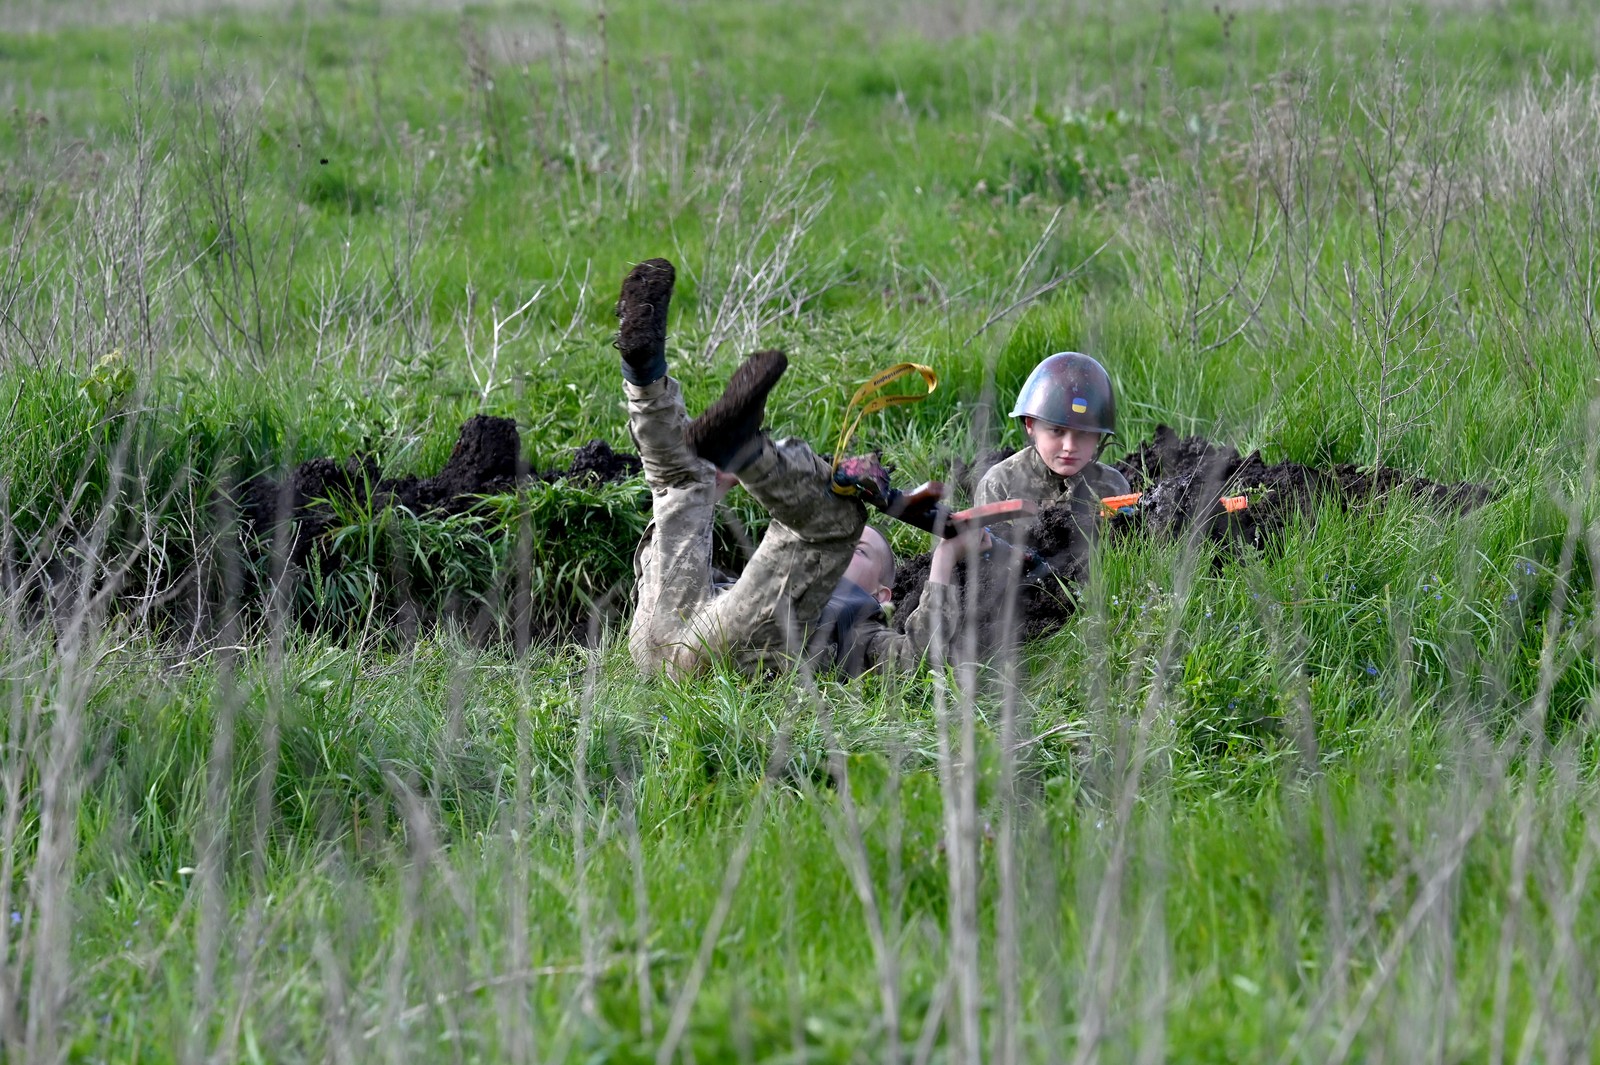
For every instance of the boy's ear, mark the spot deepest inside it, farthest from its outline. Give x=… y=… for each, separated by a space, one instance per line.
x=883 y=595
x=1027 y=424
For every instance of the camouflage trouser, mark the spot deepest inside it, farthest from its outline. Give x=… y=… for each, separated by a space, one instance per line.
x=681 y=621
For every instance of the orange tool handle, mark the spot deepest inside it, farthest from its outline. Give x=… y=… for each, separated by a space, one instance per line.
x=1112 y=504
x=1004 y=510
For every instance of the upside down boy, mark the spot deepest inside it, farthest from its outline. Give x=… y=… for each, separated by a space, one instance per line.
x=814 y=590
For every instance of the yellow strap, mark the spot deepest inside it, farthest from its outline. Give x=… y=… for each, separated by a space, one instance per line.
x=876 y=383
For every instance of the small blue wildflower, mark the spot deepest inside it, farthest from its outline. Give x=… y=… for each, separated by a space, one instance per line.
x=136 y=922
x=1233 y=704
x=1512 y=598
x=16 y=918
x=1372 y=670
x=1208 y=613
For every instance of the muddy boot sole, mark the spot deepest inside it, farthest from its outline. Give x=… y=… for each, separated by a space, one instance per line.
x=642 y=320
x=728 y=433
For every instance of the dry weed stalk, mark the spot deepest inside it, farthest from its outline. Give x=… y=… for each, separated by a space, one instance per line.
x=57 y=629
x=373 y=318
x=1203 y=264
x=1126 y=904
x=503 y=329
x=754 y=273
x=1405 y=150
x=1296 y=153
x=1404 y=141
x=245 y=245
x=620 y=145
x=1540 y=196
x=1021 y=293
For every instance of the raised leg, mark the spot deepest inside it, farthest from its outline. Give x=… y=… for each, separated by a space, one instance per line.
x=673 y=567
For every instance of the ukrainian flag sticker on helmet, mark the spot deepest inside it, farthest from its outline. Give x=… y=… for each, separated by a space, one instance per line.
x=1079 y=405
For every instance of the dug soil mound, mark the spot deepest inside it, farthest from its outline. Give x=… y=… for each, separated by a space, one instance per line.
x=296 y=514
x=486 y=460
x=1184 y=478
x=596 y=463
x=1182 y=481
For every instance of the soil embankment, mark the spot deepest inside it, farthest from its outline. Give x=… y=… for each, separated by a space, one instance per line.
x=1183 y=480
x=487 y=459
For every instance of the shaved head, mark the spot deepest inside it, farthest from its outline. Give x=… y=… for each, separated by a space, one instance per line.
x=872 y=565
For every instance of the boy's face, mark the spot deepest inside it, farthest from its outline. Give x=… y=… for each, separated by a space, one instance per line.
x=1065 y=451
x=871 y=565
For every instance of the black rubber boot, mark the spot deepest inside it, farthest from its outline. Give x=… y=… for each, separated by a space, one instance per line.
x=728 y=433
x=642 y=314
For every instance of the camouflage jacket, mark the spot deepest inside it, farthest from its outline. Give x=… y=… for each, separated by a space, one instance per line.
x=1025 y=476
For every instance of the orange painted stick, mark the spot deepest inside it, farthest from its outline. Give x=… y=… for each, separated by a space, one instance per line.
x=1111 y=504
x=1004 y=510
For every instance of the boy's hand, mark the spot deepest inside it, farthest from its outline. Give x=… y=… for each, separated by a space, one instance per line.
x=725 y=484
x=948 y=552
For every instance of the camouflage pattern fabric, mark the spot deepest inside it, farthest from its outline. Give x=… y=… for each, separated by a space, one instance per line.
x=682 y=619
x=1025 y=476
x=767 y=618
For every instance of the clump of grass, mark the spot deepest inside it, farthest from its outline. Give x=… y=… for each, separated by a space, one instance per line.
x=537 y=563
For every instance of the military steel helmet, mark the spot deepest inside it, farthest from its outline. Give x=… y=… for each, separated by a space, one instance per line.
x=1069 y=389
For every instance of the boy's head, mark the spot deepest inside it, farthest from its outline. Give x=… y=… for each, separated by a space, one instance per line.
x=1069 y=409
x=872 y=565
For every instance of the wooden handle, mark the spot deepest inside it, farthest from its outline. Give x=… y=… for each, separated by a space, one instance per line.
x=1004 y=510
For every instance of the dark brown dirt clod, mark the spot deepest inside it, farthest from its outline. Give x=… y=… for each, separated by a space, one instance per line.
x=1184 y=478
x=596 y=463
x=486 y=459
x=642 y=313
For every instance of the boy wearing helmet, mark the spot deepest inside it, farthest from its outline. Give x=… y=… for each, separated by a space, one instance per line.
x=1068 y=410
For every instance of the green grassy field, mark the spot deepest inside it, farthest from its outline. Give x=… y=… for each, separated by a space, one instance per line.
x=1332 y=800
